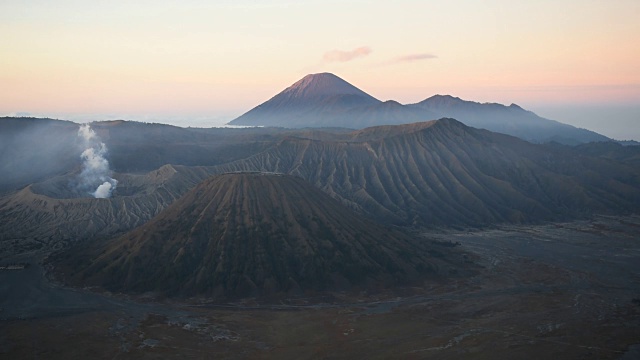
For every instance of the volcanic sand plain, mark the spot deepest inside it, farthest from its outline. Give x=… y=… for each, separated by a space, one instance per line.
x=561 y=290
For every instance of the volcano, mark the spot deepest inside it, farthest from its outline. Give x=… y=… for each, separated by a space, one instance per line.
x=253 y=234
x=325 y=100
x=444 y=173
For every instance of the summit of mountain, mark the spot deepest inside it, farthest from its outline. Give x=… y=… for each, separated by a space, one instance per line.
x=442 y=102
x=252 y=234
x=320 y=85
x=316 y=100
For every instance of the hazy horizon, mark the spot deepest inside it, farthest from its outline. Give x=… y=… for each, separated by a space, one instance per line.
x=198 y=63
x=618 y=122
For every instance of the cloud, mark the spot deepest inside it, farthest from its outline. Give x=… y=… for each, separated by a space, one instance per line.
x=344 y=56
x=412 y=58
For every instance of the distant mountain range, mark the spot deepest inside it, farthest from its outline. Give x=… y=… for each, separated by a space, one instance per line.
x=438 y=173
x=325 y=100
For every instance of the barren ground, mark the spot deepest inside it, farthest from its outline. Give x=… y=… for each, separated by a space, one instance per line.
x=569 y=291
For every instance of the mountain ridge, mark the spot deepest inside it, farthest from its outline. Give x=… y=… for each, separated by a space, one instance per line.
x=445 y=173
x=511 y=120
x=316 y=104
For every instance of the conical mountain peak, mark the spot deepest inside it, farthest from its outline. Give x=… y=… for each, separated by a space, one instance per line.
x=322 y=84
x=316 y=100
x=248 y=234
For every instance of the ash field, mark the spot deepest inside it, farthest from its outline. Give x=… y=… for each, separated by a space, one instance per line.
x=567 y=290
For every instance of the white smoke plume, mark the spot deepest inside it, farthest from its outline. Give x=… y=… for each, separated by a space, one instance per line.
x=95 y=172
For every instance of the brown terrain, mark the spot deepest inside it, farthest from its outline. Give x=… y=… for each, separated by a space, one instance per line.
x=563 y=290
x=250 y=234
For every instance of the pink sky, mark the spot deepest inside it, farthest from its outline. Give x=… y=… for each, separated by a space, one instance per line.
x=219 y=59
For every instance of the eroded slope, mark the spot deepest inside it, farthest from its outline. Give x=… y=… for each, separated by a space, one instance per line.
x=445 y=173
x=253 y=234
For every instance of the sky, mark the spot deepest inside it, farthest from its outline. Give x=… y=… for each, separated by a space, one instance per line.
x=203 y=63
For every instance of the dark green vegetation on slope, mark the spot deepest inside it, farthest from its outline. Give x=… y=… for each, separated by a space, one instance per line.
x=254 y=234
